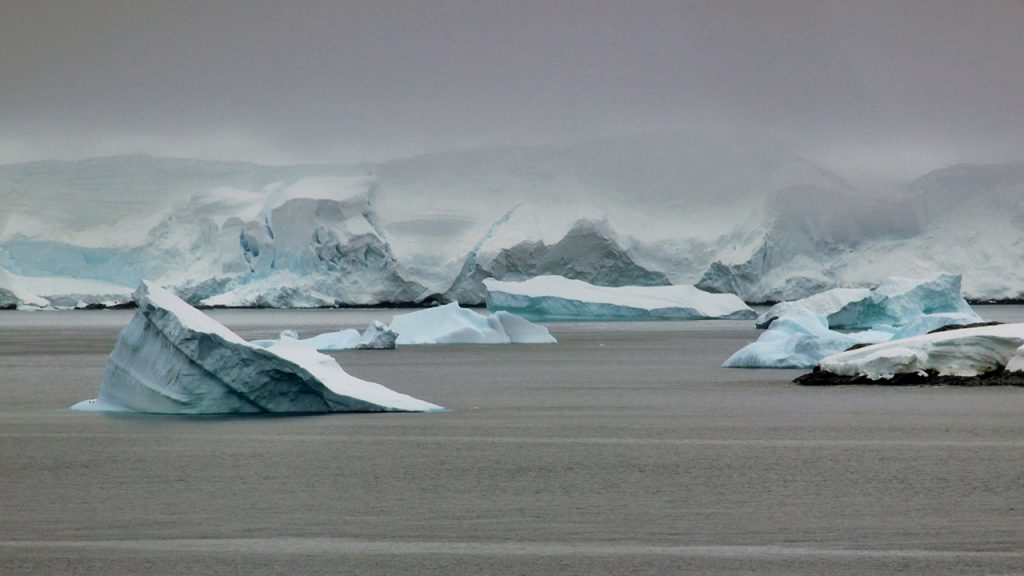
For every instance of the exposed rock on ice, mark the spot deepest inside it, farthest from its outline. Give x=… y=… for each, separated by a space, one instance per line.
x=173 y=359
x=643 y=210
x=558 y=298
x=451 y=324
x=588 y=251
x=731 y=215
x=963 y=356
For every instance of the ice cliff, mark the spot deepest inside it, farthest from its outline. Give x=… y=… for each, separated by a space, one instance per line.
x=173 y=359
x=728 y=214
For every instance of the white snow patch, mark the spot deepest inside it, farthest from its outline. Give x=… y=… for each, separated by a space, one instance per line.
x=556 y=297
x=965 y=352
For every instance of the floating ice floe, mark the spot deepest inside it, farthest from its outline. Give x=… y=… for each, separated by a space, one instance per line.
x=895 y=302
x=173 y=359
x=452 y=324
x=953 y=356
x=558 y=298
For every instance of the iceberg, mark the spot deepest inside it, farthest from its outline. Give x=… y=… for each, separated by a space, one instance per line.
x=452 y=324
x=802 y=332
x=954 y=356
x=899 y=300
x=558 y=298
x=799 y=340
x=895 y=302
x=802 y=337
x=377 y=336
x=173 y=359
x=825 y=303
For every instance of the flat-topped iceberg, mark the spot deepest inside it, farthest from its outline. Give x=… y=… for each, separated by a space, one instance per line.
x=452 y=324
x=558 y=298
x=895 y=302
x=173 y=359
x=979 y=355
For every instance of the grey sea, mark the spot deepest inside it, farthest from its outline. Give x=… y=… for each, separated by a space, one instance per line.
x=623 y=449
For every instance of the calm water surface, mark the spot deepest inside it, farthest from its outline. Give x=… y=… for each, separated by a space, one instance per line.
x=622 y=449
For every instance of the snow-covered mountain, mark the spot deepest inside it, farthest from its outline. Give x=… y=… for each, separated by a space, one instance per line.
x=740 y=216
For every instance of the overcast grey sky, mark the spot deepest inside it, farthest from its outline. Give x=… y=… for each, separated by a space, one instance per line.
x=894 y=86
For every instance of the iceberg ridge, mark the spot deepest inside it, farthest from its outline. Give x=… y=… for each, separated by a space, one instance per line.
x=173 y=359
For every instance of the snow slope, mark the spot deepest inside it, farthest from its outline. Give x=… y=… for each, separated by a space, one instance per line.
x=730 y=214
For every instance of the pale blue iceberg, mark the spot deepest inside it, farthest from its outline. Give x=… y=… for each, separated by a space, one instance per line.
x=558 y=298
x=452 y=324
x=173 y=359
x=377 y=336
x=802 y=332
x=895 y=302
x=799 y=340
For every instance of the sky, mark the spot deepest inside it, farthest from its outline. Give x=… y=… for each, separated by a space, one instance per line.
x=886 y=87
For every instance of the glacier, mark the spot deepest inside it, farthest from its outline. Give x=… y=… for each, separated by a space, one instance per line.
x=559 y=298
x=173 y=359
x=729 y=214
x=452 y=324
x=956 y=356
x=802 y=332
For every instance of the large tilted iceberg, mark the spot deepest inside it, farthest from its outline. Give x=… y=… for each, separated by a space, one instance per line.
x=979 y=355
x=802 y=332
x=173 y=359
x=452 y=324
x=558 y=298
